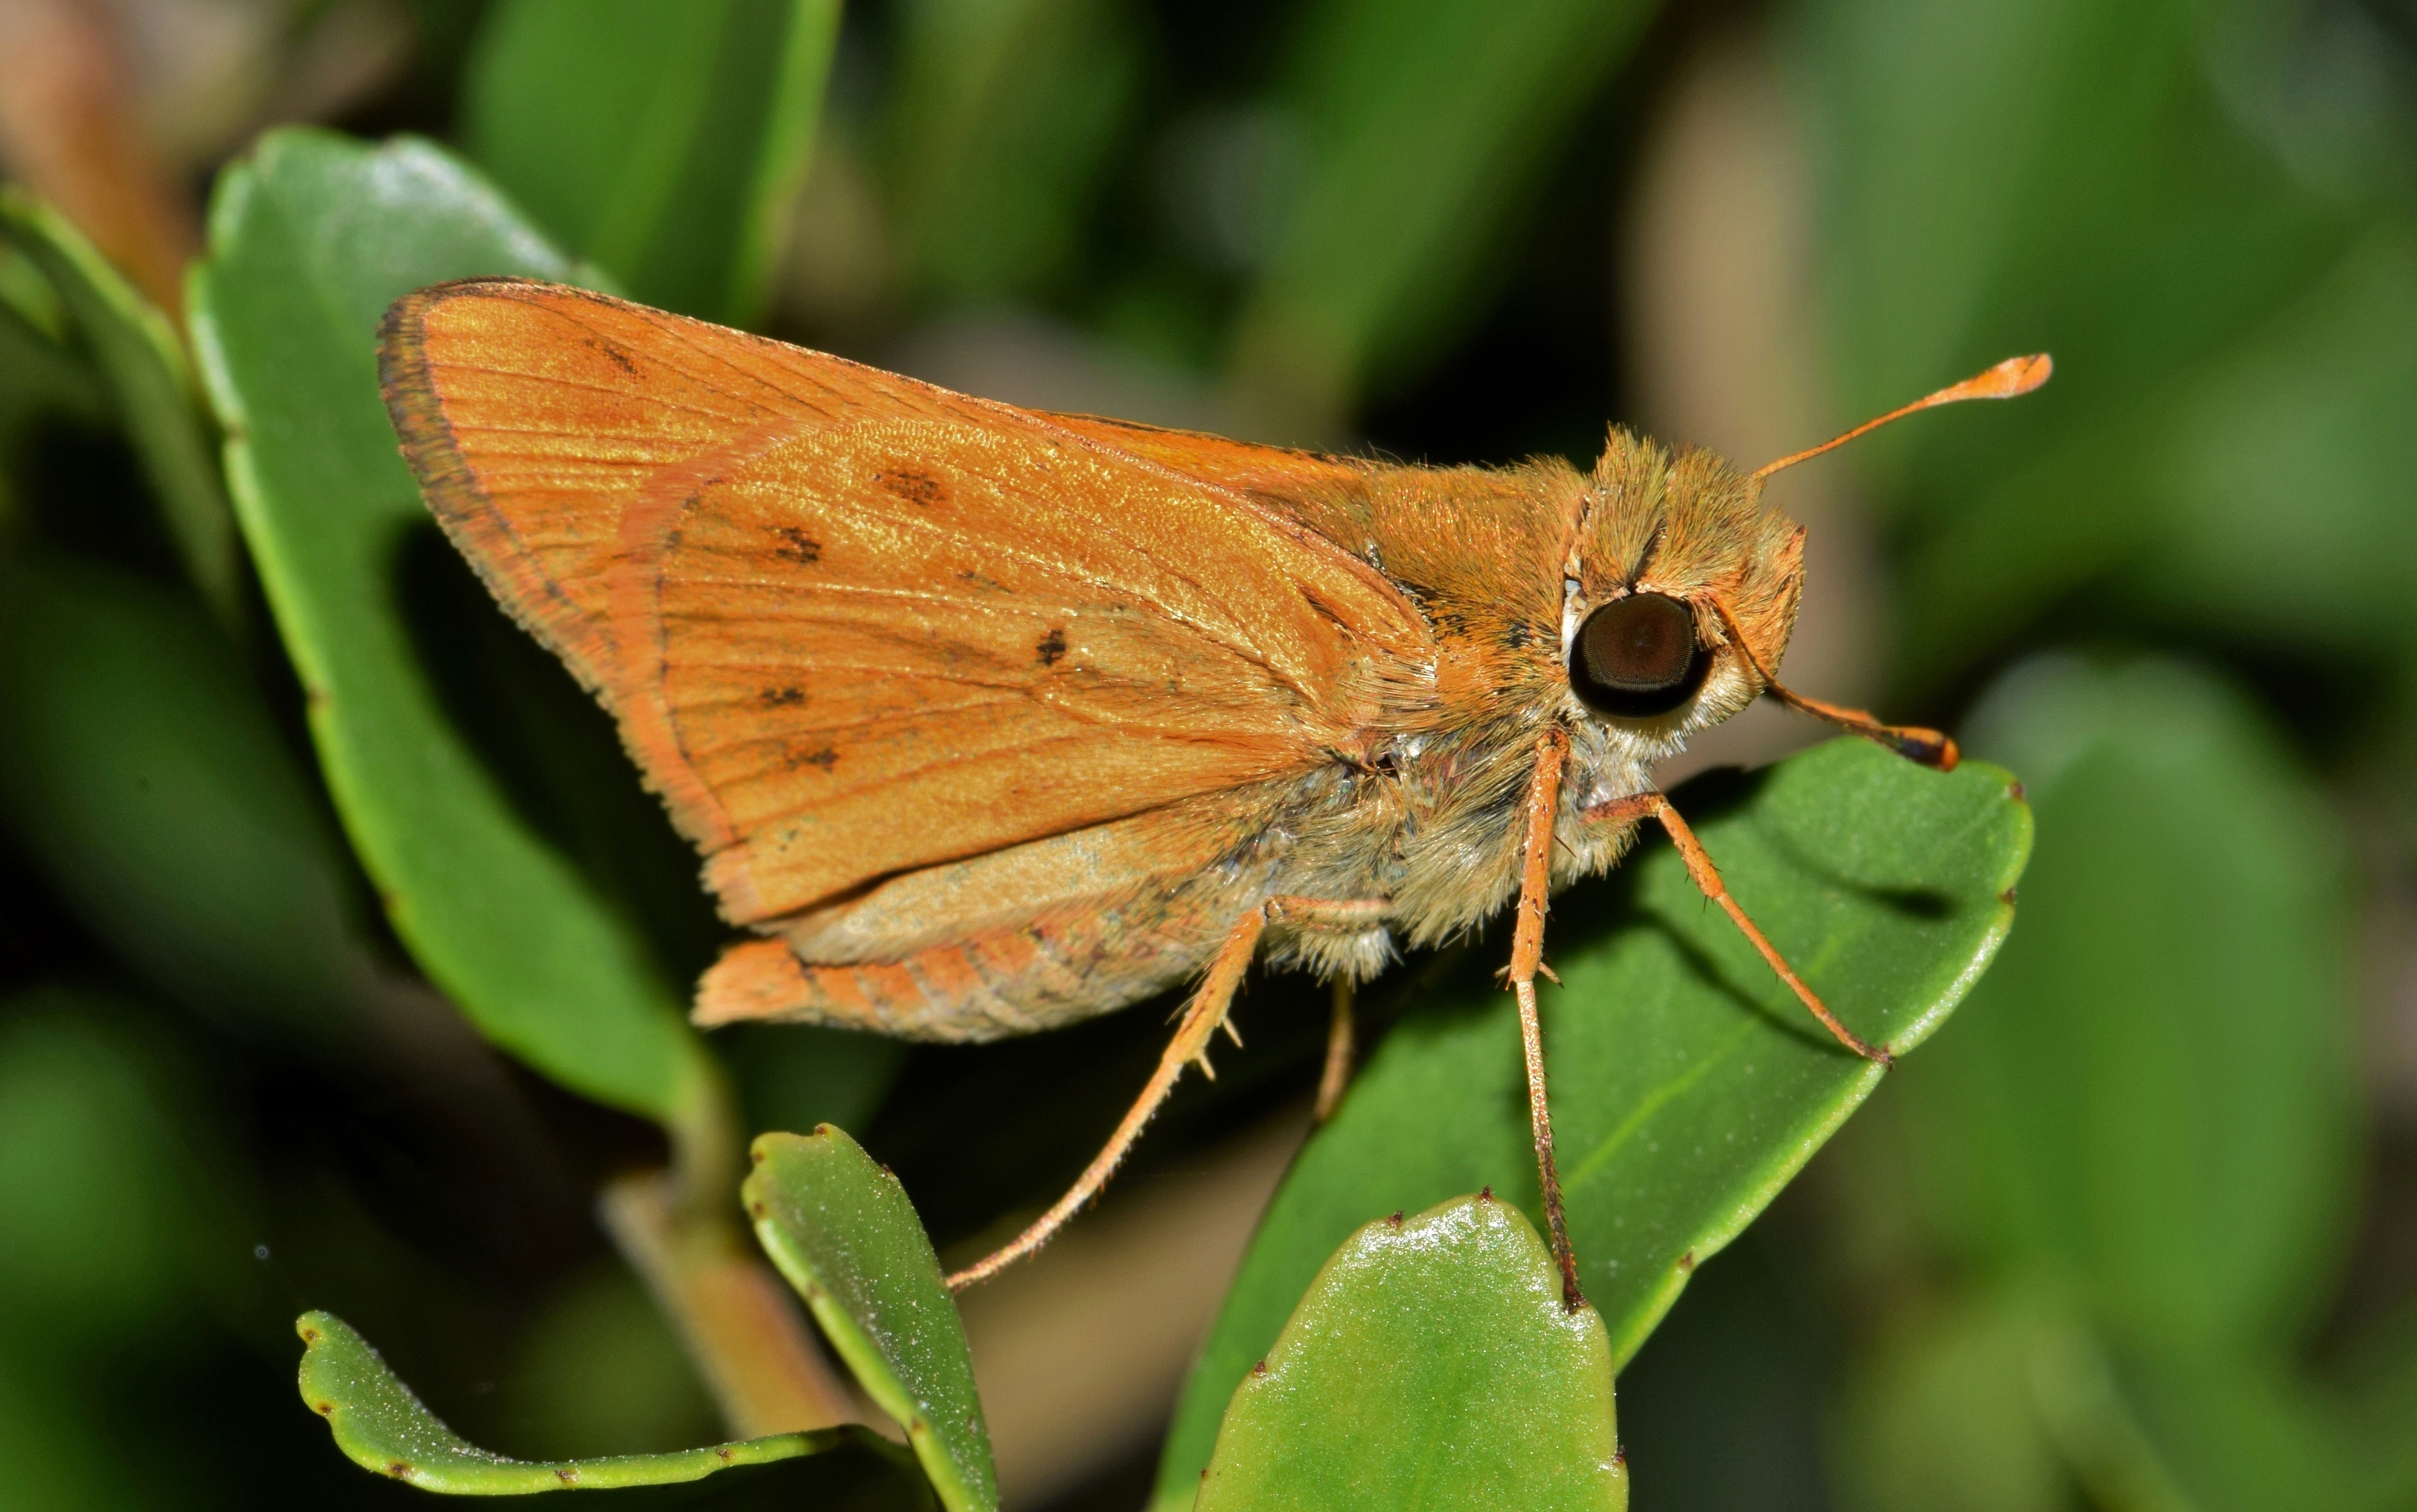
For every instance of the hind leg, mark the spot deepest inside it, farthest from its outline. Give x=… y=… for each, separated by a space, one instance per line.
x=1200 y=1021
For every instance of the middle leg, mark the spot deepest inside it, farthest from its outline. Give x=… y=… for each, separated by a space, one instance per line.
x=1336 y=1077
x=1707 y=878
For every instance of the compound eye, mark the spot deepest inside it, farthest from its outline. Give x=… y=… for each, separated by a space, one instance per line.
x=1636 y=657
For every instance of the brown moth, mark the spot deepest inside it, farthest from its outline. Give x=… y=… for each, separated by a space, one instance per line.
x=988 y=719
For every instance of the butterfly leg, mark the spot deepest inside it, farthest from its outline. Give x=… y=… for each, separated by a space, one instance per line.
x=1200 y=1021
x=1526 y=958
x=1336 y=1077
x=1708 y=880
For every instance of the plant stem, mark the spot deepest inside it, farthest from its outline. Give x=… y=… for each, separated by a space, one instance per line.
x=678 y=1229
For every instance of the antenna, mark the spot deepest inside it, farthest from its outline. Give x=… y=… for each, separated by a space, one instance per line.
x=1927 y=747
x=2011 y=378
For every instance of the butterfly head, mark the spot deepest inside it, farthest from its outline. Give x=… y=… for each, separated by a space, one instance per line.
x=1680 y=589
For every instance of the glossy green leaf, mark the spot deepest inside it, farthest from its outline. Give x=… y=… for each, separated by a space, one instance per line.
x=1000 y=124
x=1424 y=127
x=662 y=142
x=136 y=348
x=1432 y=1366
x=2150 y=1094
x=381 y=1426
x=841 y=1230
x=141 y=771
x=1688 y=1086
x=310 y=239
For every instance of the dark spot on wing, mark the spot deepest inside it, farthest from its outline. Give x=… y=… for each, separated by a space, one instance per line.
x=614 y=355
x=782 y=697
x=1052 y=647
x=823 y=759
x=913 y=484
x=796 y=546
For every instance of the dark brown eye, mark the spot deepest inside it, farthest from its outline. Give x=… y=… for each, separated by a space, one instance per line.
x=1636 y=657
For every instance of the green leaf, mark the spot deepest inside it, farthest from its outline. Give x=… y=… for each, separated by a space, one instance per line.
x=108 y=1191
x=2379 y=1387
x=1940 y=1413
x=2170 y=502
x=309 y=241
x=796 y=1076
x=2308 y=421
x=41 y=376
x=381 y=1426
x=2009 y=1401
x=1425 y=127
x=137 y=349
x=1688 y=1085
x=2245 y=1435
x=143 y=771
x=2051 y=176
x=841 y=1230
x=1000 y=122
x=662 y=142
x=2153 y=1096
x=2026 y=176
x=1432 y=1366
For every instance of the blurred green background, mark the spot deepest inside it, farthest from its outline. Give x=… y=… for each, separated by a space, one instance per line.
x=2139 y=1232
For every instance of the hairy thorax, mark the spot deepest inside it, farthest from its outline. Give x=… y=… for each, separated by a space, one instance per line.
x=1426 y=810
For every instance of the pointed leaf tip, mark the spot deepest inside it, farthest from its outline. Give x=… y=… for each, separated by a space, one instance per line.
x=1432 y=1366
x=841 y=1227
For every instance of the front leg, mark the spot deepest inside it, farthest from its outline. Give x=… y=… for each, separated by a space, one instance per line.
x=1526 y=958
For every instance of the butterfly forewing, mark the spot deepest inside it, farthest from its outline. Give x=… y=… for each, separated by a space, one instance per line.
x=853 y=625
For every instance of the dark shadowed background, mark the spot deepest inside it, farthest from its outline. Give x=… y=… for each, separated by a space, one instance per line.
x=2137 y=1234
